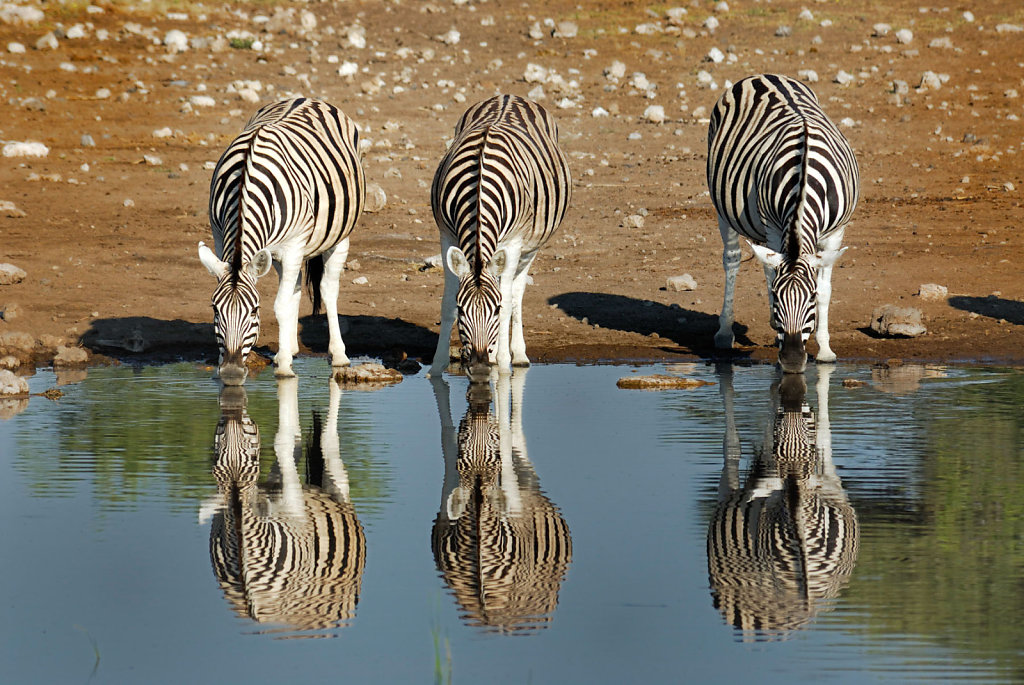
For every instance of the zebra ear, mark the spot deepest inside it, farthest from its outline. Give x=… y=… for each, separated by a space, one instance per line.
x=216 y=267
x=827 y=258
x=767 y=256
x=457 y=263
x=498 y=261
x=260 y=264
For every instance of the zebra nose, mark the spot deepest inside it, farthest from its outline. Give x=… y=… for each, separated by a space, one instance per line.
x=232 y=373
x=792 y=353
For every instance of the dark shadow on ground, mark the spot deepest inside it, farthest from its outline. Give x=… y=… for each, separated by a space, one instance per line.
x=692 y=331
x=370 y=335
x=149 y=339
x=143 y=338
x=991 y=306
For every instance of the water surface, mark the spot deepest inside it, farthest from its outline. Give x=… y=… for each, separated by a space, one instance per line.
x=556 y=529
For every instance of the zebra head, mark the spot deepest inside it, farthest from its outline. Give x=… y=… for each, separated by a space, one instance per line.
x=236 y=310
x=794 y=300
x=478 y=303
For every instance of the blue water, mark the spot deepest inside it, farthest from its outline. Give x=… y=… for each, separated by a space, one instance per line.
x=108 y=496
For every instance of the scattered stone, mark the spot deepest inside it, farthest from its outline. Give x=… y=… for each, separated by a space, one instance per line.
x=809 y=75
x=715 y=55
x=854 y=383
x=47 y=42
x=566 y=29
x=904 y=36
x=11 y=311
x=367 y=376
x=10 y=274
x=616 y=71
x=10 y=210
x=26 y=149
x=1009 y=28
x=9 y=362
x=15 y=48
x=202 y=101
x=175 y=40
x=17 y=15
x=18 y=343
x=660 y=382
x=164 y=132
x=655 y=114
x=376 y=198
x=1008 y=187
x=11 y=385
x=784 y=32
x=892 y=321
x=680 y=284
x=70 y=356
x=87 y=140
x=433 y=262
x=843 y=78
x=633 y=221
x=880 y=30
x=361 y=280
x=930 y=81
x=933 y=291
x=943 y=42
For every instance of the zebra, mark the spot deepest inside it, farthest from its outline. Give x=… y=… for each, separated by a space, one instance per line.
x=781 y=175
x=291 y=555
x=782 y=545
x=499 y=194
x=286 y=192
x=499 y=543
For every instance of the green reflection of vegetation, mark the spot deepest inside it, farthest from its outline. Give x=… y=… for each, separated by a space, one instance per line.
x=148 y=432
x=955 y=574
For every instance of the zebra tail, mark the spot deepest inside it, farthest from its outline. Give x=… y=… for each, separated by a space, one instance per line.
x=314 y=273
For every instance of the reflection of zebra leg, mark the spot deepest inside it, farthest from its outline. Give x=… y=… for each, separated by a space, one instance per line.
x=453 y=505
x=731 y=451
x=334 y=467
x=504 y=408
x=288 y=445
x=823 y=439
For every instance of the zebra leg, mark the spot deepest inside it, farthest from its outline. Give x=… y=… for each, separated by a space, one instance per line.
x=507 y=288
x=286 y=309
x=769 y=278
x=829 y=252
x=334 y=265
x=442 y=355
x=518 y=342
x=731 y=256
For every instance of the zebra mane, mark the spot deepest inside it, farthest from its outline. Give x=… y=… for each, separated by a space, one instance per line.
x=795 y=236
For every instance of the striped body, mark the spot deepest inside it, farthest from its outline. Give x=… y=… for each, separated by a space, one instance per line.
x=500 y=544
x=498 y=196
x=782 y=544
x=291 y=555
x=287 y=191
x=782 y=176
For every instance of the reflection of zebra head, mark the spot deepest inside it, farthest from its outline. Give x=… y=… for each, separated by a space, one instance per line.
x=783 y=545
x=498 y=541
x=291 y=553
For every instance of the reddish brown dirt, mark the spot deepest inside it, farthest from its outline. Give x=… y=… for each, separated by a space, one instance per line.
x=934 y=205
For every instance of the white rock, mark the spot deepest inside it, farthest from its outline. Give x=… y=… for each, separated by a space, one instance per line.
x=361 y=280
x=202 y=101
x=434 y=262
x=806 y=15
x=249 y=95
x=164 y=132
x=930 y=81
x=566 y=29
x=536 y=31
x=11 y=211
x=682 y=283
x=843 y=78
x=20 y=14
x=535 y=73
x=451 y=37
x=376 y=198
x=102 y=93
x=676 y=15
x=599 y=112
x=537 y=93
x=715 y=55
x=47 y=42
x=10 y=274
x=880 y=30
x=639 y=81
x=633 y=221
x=933 y=291
x=128 y=202
x=348 y=69
x=848 y=122
x=26 y=149
x=944 y=42
x=152 y=160
x=1009 y=28
x=70 y=356
x=307 y=20
x=616 y=71
x=654 y=114
x=968 y=16
x=892 y=321
x=15 y=48
x=566 y=103
x=809 y=75
x=175 y=40
x=357 y=37
x=1008 y=187
x=904 y=36
x=721 y=7
x=11 y=384
x=711 y=23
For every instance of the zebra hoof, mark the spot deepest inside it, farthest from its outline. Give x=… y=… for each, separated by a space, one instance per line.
x=284 y=372
x=340 y=363
x=723 y=342
x=826 y=357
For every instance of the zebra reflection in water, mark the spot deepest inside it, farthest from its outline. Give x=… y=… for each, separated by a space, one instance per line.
x=782 y=545
x=287 y=553
x=500 y=544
